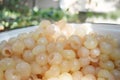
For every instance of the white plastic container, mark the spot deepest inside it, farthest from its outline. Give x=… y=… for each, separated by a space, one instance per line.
x=105 y=29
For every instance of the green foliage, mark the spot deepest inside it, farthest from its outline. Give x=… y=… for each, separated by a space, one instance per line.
x=14 y=5
x=12 y=19
x=14 y=14
x=110 y=15
x=50 y=13
x=95 y=14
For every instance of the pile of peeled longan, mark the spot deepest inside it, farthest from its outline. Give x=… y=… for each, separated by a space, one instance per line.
x=54 y=52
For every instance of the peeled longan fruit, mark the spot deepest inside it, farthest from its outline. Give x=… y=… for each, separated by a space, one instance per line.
x=68 y=54
x=115 y=55
x=106 y=47
x=109 y=65
x=88 y=69
x=44 y=24
x=77 y=75
x=89 y=77
x=1 y=74
x=59 y=52
x=90 y=42
x=65 y=76
x=54 y=71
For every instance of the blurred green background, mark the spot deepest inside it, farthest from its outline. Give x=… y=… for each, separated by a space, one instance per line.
x=16 y=14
